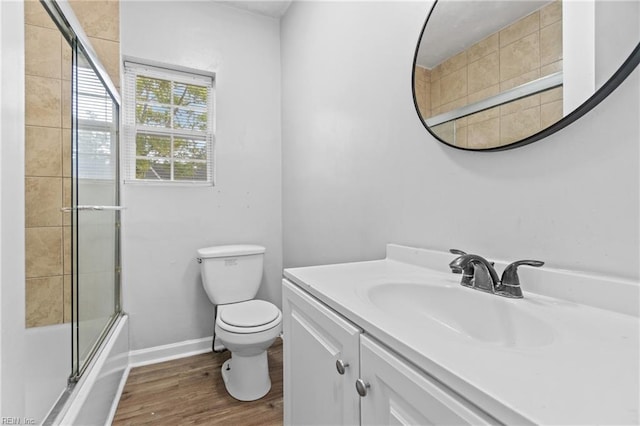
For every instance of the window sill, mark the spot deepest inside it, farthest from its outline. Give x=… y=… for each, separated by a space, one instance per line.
x=187 y=184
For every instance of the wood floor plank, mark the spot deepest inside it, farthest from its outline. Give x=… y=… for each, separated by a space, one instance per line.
x=190 y=391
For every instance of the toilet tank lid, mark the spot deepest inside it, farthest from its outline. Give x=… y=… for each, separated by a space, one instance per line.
x=230 y=251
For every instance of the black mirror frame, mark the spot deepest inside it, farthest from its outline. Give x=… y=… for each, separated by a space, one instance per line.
x=616 y=79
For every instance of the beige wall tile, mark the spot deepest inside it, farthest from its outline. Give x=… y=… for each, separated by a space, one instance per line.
x=445 y=131
x=520 y=57
x=34 y=14
x=43 y=252
x=66 y=295
x=550 y=113
x=483 y=134
x=453 y=86
x=551 y=68
x=551 y=43
x=43 y=201
x=66 y=104
x=453 y=105
x=484 y=73
x=551 y=95
x=483 y=94
x=425 y=112
x=551 y=13
x=419 y=87
x=48 y=149
x=483 y=115
x=99 y=19
x=520 y=104
x=436 y=99
x=520 y=29
x=109 y=54
x=43 y=300
x=43 y=103
x=519 y=125
x=422 y=74
x=436 y=72
x=43 y=151
x=423 y=108
x=42 y=51
x=521 y=79
x=66 y=243
x=67 y=60
x=66 y=200
x=66 y=152
x=461 y=135
x=483 y=48
x=454 y=63
x=422 y=90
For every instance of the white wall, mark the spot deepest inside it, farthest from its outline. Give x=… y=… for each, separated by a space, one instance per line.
x=361 y=171
x=12 y=323
x=164 y=226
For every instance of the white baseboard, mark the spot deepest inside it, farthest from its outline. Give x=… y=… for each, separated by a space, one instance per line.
x=169 y=352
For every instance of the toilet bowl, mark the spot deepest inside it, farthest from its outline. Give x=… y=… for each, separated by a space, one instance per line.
x=247 y=329
x=231 y=276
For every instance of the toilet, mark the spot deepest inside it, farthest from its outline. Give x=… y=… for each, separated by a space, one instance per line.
x=231 y=276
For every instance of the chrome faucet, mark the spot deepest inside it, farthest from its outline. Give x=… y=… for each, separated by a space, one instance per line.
x=478 y=273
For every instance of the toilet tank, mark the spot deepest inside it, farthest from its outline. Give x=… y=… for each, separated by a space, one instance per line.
x=231 y=273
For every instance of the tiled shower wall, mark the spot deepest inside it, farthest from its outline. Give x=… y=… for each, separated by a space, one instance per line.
x=423 y=90
x=48 y=149
x=524 y=51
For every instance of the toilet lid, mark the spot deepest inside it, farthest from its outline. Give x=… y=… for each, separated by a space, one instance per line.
x=252 y=313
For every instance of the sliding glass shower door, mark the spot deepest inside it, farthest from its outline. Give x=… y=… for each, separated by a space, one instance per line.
x=95 y=212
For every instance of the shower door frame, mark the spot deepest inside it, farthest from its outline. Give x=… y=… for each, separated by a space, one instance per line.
x=80 y=361
x=71 y=29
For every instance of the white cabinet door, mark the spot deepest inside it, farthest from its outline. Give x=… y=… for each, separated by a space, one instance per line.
x=400 y=394
x=315 y=338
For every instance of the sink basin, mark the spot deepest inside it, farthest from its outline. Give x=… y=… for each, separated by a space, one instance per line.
x=479 y=316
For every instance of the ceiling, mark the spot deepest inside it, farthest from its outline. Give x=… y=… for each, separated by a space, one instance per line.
x=273 y=8
x=456 y=25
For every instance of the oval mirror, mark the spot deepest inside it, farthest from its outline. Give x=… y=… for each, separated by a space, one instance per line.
x=491 y=75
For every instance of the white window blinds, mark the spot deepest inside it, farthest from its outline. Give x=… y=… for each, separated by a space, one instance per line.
x=95 y=151
x=168 y=125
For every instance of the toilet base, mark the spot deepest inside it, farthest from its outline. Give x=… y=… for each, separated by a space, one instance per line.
x=247 y=377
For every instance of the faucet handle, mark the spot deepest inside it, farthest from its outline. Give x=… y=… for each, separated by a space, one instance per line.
x=456 y=251
x=510 y=274
x=510 y=283
x=456 y=269
x=461 y=253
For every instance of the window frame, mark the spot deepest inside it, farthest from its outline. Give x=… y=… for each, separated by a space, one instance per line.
x=134 y=69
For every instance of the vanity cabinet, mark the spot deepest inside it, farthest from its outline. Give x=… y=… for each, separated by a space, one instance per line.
x=315 y=339
x=391 y=391
x=399 y=394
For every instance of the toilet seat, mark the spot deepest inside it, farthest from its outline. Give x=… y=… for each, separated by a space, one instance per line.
x=252 y=316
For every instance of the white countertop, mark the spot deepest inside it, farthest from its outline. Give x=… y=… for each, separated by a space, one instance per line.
x=586 y=371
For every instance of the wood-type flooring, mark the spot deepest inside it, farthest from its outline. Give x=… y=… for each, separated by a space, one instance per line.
x=190 y=391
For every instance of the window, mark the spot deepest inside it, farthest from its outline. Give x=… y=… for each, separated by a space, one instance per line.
x=168 y=124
